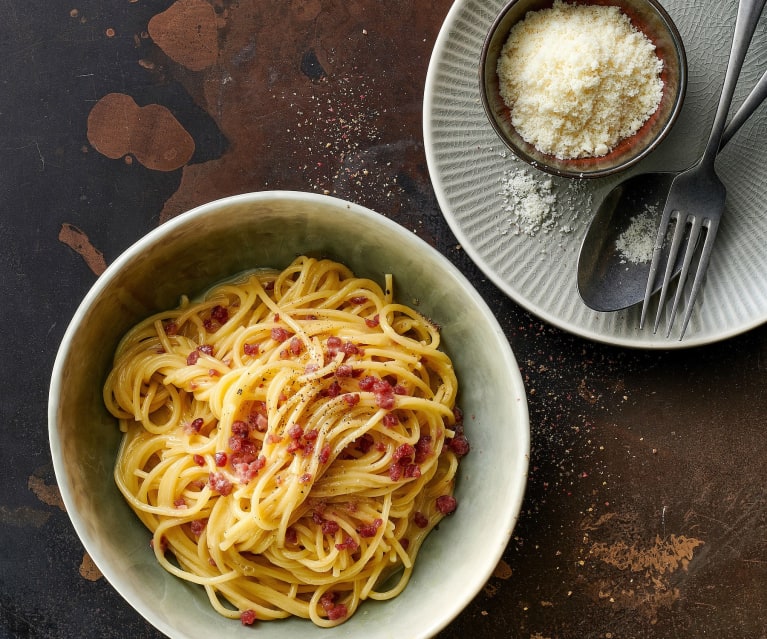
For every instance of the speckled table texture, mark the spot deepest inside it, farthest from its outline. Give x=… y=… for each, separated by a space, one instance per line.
x=645 y=513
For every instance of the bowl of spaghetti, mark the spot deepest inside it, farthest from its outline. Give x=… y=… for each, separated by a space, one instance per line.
x=263 y=409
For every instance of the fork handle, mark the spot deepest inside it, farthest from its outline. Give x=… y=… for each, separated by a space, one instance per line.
x=746 y=110
x=745 y=25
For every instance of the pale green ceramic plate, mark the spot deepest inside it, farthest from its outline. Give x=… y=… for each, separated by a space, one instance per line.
x=188 y=254
x=472 y=171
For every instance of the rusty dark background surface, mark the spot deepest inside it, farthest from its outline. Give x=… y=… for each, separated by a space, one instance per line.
x=645 y=514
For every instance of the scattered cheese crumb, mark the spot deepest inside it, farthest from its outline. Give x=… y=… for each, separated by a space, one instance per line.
x=636 y=243
x=530 y=201
x=578 y=79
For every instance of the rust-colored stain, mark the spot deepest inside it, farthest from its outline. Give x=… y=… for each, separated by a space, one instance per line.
x=117 y=126
x=187 y=32
x=660 y=557
x=295 y=109
x=635 y=573
x=502 y=570
x=89 y=570
x=78 y=241
x=46 y=493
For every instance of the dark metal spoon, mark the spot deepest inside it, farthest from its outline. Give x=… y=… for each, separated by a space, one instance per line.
x=606 y=280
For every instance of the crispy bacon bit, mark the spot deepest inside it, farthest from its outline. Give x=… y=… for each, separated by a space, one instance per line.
x=251 y=349
x=338 y=611
x=358 y=299
x=330 y=527
x=311 y=435
x=384 y=394
x=405 y=543
x=333 y=610
x=220 y=483
x=197 y=526
x=422 y=449
x=305 y=478
x=404 y=452
x=333 y=390
x=220 y=314
x=352 y=398
x=179 y=503
x=344 y=370
x=248 y=617
x=348 y=544
x=199 y=460
x=247 y=471
x=291 y=536
x=296 y=346
x=420 y=520
x=446 y=504
x=390 y=420
x=295 y=431
x=412 y=471
x=195 y=425
x=367 y=383
x=220 y=458
x=171 y=328
x=240 y=428
x=370 y=530
x=279 y=334
x=257 y=417
x=403 y=466
x=459 y=445
x=192 y=358
x=324 y=455
x=206 y=349
x=399 y=389
x=372 y=322
x=348 y=348
x=364 y=443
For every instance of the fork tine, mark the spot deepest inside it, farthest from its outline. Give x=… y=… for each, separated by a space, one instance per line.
x=711 y=228
x=676 y=241
x=692 y=242
x=655 y=263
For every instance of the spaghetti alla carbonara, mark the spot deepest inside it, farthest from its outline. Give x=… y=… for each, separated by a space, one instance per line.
x=289 y=440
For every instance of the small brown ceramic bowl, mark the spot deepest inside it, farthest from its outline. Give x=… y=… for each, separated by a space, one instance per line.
x=649 y=17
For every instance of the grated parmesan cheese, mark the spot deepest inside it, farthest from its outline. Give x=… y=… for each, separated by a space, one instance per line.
x=578 y=79
x=636 y=243
x=531 y=202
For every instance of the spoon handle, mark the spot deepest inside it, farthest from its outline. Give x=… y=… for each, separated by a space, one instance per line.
x=745 y=25
x=746 y=110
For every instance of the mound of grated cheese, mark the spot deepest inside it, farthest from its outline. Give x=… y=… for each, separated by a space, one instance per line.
x=578 y=79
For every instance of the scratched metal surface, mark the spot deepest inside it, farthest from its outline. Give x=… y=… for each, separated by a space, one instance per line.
x=645 y=513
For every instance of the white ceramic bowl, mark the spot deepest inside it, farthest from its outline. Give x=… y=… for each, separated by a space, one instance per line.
x=221 y=239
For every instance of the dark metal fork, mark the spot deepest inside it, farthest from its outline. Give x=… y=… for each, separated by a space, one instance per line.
x=696 y=200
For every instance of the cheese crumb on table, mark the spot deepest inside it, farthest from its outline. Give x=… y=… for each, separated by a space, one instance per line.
x=578 y=79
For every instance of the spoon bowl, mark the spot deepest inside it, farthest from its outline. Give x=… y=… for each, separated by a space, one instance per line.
x=608 y=280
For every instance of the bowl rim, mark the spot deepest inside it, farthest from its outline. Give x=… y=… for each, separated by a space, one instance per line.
x=580 y=174
x=514 y=495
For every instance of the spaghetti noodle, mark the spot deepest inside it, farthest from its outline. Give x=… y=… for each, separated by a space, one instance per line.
x=290 y=440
